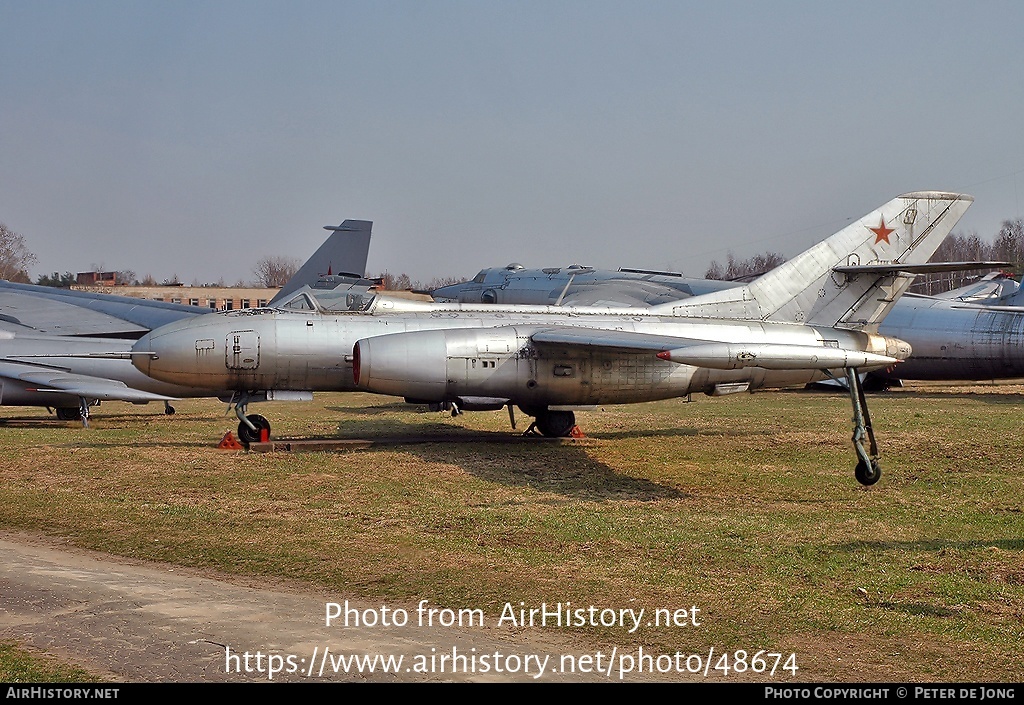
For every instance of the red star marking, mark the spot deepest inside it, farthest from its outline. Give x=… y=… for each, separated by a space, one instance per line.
x=882 y=232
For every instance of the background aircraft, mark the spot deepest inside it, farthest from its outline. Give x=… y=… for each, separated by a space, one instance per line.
x=975 y=332
x=59 y=347
x=993 y=289
x=811 y=318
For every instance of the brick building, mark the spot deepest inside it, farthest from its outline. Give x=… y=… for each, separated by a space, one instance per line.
x=216 y=297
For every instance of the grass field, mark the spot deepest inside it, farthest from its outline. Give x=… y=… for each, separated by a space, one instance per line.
x=744 y=507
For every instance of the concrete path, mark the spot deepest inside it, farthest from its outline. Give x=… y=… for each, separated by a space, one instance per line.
x=133 y=622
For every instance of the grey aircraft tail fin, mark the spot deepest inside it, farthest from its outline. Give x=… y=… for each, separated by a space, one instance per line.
x=343 y=253
x=853 y=278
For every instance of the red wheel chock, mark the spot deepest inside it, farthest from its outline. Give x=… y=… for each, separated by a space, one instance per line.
x=229 y=442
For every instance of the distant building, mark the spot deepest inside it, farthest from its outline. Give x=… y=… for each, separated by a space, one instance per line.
x=219 y=298
x=96 y=279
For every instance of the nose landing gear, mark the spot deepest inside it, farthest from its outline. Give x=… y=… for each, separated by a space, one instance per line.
x=252 y=428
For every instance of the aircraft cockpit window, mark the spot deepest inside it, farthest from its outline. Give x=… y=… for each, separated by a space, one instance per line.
x=479 y=278
x=359 y=302
x=300 y=302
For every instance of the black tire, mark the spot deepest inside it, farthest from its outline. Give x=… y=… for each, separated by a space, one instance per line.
x=246 y=435
x=868 y=474
x=556 y=424
x=69 y=413
x=169 y=410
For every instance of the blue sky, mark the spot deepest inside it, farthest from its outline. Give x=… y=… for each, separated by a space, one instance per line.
x=195 y=138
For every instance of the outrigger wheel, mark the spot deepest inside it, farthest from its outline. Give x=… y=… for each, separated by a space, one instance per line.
x=868 y=473
x=248 y=435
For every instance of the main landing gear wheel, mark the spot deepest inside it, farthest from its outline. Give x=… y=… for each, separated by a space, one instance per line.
x=247 y=435
x=868 y=473
x=69 y=413
x=556 y=424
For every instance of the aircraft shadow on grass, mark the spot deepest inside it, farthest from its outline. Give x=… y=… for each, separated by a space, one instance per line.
x=508 y=459
x=572 y=473
x=931 y=545
x=384 y=427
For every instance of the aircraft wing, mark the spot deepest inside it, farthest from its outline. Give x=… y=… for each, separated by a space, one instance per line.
x=58 y=381
x=981 y=306
x=714 y=354
x=46 y=309
x=618 y=340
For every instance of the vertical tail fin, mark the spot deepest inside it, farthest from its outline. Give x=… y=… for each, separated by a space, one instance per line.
x=850 y=280
x=343 y=252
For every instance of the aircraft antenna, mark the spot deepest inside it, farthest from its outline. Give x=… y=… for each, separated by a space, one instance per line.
x=565 y=289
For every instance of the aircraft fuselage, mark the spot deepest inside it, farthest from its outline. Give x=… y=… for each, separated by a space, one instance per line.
x=956 y=341
x=460 y=352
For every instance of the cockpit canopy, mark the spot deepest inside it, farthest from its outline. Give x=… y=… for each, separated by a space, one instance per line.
x=330 y=301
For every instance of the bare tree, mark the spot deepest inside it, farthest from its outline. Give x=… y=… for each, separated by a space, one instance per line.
x=403 y=282
x=15 y=259
x=1009 y=244
x=275 y=271
x=737 y=270
x=438 y=282
x=1008 y=247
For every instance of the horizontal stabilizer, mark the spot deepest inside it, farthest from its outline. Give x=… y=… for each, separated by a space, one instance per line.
x=925 y=268
x=773 y=356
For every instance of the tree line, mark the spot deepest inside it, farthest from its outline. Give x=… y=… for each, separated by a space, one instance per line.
x=1008 y=246
x=275 y=271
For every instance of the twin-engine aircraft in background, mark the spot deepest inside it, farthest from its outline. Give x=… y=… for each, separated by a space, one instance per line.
x=814 y=317
x=59 y=348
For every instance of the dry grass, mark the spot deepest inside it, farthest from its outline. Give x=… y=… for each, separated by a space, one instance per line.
x=744 y=506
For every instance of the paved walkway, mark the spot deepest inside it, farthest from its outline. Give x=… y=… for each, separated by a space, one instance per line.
x=148 y=623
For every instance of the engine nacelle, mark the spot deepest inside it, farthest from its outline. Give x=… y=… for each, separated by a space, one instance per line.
x=439 y=365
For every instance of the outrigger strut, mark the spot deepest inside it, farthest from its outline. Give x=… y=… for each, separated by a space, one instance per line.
x=868 y=469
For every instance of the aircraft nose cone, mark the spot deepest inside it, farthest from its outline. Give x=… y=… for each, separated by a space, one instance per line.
x=452 y=292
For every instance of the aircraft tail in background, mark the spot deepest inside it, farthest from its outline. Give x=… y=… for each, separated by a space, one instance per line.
x=343 y=253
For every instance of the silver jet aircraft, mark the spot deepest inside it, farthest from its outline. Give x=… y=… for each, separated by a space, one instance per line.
x=814 y=317
x=69 y=350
